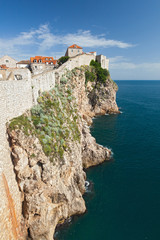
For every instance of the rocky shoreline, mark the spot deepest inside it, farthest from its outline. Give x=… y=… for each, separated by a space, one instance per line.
x=52 y=186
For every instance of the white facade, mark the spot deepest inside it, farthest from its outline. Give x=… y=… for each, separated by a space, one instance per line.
x=41 y=67
x=8 y=61
x=73 y=51
x=103 y=61
x=23 y=64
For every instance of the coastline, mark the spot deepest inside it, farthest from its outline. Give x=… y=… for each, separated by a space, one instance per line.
x=58 y=185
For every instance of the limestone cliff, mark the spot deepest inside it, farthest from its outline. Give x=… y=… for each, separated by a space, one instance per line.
x=50 y=146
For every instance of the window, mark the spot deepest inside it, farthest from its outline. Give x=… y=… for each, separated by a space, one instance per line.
x=40 y=61
x=46 y=58
x=34 y=60
x=72 y=50
x=7 y=60
x=1 y=76
x=78 y=50
x=51 y=63
x=46 y=62
x=35 y=67
x=50 y=59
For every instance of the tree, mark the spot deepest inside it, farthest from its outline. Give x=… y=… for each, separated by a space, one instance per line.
x=101 y=73
x=90 y=76
x=63 y=60
x=95 y=64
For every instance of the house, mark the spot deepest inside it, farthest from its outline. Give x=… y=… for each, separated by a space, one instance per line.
x=93 y=53
x=39 y=64
x=74 y=50
x=14 y=74
x=23 y=64
x=8 y=61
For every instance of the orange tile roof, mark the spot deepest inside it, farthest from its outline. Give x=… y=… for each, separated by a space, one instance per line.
x=75 y=46
x=24 y=62
x=45 y=60
x=3 y=66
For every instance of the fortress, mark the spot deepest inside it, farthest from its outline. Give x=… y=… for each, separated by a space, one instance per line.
x=19 y=91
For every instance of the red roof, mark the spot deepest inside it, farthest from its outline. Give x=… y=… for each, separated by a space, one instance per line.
x=24 y=62
x=46 y=60
x=75 y=46
x=3 y=67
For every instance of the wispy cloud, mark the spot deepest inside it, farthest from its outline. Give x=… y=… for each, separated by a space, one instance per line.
x=87 y=39
x=150 y=66
x=123 y=68
x=117 y=59
x=42 y=40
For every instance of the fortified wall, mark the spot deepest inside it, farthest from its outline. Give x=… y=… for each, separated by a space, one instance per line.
x=77 y=61
x=16 y=96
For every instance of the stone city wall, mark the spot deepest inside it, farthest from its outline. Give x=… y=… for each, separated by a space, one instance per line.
x=77 y=61
x=15 y=98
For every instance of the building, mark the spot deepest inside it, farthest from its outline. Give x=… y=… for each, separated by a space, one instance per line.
x=14 y=74
x=93 y=53
x=8 y=61
x=23 y=64
x=103 y=61
x=74 y=50
x=39 y=64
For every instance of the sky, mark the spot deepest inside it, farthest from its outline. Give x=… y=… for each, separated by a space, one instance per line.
x=127 y=32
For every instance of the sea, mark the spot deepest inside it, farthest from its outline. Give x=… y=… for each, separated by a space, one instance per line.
x=123 y=198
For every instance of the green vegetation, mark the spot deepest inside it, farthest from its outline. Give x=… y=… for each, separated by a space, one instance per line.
x=33 y=155
x=63 y=60
x=90 y=76
x=96 y=74
x=22 y=122
x=101 y=74
x=54 y=120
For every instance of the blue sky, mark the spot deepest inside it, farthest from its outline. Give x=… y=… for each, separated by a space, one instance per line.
x=125 y=31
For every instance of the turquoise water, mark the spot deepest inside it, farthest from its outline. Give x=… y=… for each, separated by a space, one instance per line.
x=124 y=199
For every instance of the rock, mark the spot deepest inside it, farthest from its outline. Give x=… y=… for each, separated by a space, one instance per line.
x=52 y=192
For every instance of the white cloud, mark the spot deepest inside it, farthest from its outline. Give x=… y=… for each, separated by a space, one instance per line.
x=123 y=69
x=117 y=59
x=87 y=39
x=42 y=39
x=129 y=65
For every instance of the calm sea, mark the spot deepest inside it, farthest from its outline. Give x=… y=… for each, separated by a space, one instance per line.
x=123 y=202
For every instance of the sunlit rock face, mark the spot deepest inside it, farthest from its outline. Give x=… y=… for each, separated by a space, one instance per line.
x=52 y=185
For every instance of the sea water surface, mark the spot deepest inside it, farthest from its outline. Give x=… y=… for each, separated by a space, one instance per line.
x=123 y=202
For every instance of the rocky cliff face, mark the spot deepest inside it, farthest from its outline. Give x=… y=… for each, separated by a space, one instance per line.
x=51 y=145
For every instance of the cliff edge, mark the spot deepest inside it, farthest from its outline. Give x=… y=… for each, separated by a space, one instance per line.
x=51 y=145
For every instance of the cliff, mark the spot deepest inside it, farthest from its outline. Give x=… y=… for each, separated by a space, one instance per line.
x=50 y=147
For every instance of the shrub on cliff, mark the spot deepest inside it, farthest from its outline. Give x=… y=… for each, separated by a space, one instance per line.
x=95 y=64
x=90 y=76
x=96 y=73
x=62 y=60
x=54 y=120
